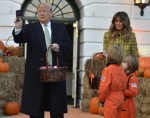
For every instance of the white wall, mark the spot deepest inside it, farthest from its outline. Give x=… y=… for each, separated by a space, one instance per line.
x=7 y=16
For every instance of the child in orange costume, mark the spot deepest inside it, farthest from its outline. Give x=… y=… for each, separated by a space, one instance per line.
x=113 y=83
x=130 y=64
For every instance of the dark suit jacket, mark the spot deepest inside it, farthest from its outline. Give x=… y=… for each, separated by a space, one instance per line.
x=33 y=35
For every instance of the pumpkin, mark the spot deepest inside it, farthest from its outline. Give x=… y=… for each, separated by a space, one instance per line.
x=11 y=108
x=93 y=105
x=140 y=72
x=101 y=110
x=99 y=55
x=4 y=67
x=2 y=46
x=144 y=62
x=147 y=73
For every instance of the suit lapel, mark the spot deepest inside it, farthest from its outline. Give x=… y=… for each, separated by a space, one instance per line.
x=40 y=36
x=54 y=33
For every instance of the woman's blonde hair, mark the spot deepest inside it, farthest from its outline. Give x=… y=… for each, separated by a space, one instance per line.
x=132 y=62
x=114 y=54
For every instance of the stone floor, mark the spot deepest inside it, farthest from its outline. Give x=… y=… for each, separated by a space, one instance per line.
x=72 y=113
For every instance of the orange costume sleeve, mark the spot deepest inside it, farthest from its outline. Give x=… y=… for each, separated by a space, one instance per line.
x=133 y=88
x=104 y=85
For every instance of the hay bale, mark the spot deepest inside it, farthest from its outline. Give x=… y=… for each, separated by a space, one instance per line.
x=19 y=81
x=7 y=85
x=95 y=66
x=142 y=100
x=87 y=94
x=11 y=83
x=16 y=64
x=85 y=105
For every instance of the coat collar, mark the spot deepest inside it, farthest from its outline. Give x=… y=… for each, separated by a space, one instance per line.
x=40 y=34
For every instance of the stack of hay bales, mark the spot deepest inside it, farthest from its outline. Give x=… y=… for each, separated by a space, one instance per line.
x=11 y=82
x=142 y=100
x=87 y=94
x=95 y=66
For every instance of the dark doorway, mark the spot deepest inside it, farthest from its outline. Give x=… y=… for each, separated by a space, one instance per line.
x=69 y=64
x=68 y=57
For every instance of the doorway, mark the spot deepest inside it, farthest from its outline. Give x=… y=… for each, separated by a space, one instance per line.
x=69 y=65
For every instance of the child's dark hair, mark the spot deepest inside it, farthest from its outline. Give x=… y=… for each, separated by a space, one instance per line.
x=132 y=61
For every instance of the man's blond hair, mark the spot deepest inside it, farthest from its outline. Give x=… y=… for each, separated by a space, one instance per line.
x=48 y=5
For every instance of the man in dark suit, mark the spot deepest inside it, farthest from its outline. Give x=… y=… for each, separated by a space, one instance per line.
x=38 y=96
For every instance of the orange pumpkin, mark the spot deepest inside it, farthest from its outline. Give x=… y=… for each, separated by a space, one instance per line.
x=11 y=108
x=99 y=55
x=147 y=73
x=2 y=46
x=94 y=104
x=4 y=67
x=144 y=62
x=101 y=110
x=140 y=72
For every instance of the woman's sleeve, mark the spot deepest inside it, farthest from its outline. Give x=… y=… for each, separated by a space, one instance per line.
x=134 y=49
x=105 y=43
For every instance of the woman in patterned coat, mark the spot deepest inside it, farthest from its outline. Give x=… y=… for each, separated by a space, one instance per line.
x=120 y=33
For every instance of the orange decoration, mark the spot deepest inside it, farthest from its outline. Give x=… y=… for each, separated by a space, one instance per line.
x=139 y=72
x=4 y=67
x=94 y=104
x=144 y=62
x=2 y=46
x=147 y=73
x=99 y=55
x=11 y=108
x=91 y=76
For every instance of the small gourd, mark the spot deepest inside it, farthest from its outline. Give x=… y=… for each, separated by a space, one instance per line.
x=94 y=104
x=4 y=67
x=140 y=72
x=11 y=108
x=144 y=62
x=2 y=46
x=147 y=73
x=100 y=56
